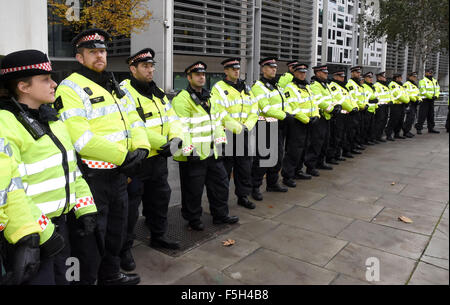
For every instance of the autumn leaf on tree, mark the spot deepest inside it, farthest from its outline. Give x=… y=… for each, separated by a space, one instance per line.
x=117 y=17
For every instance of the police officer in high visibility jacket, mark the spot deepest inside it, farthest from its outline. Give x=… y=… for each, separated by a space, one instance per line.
x=301 y=100
x=41 y=146
x=199 y=162
x=383 y=95
x=317 y=151
x=111 y=141
x=429 y=91
x=397 y=109
x=414 y=99
x=356 y=91
x=240 y=103
x=165 y=133
x=287 y=77
x=340 y=144
x=369 y=116
x=274 y=112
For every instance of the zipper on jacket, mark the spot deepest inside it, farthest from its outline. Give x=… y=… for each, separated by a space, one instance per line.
x=65 y=165
x=124 y=124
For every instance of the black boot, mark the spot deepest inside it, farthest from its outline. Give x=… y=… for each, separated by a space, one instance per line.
x=419 y=131
x=300 y=175
x=164 y=242
x=289 y=182
x=243 y=201
x=120 y=279
x=324 y=166
x=332 y=161
x=398 y=136
x=226 y=219
x=348 y=155
x=256 y=194
x=276 y=188
x=355 y=152
x=313 y=172
x=433 y=131
x=390 y=138
x=196 y=225
x=127 y=262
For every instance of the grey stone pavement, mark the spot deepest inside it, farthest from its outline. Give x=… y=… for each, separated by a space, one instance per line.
x=324 y=230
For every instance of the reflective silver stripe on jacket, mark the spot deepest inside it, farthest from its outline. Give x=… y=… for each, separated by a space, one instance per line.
x=81 y=93
x=83 y=140
x=15 y=184
x=6 y=149
x=118 y=136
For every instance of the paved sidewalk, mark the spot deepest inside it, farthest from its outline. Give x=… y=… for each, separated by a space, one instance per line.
x=323 y=231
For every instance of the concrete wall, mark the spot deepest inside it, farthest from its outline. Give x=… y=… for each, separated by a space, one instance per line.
x=23 y=25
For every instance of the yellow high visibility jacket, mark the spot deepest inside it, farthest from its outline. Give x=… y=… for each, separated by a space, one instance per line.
x=383 y=93
x=285 y=79
x=322 y=98
x=356 y=93
x=18 y=214
x=369 y=95
x=271 y=101
x=398 y=93
x=103 y=128
x=203 y=129
x=413 y=91
x=302 y=101
x=160 y=120
x=48 y=169
x=241 y=106
x=429 y=88
x=341 y=96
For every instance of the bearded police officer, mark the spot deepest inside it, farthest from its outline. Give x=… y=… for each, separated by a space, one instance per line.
x=111 y=142
x=164 y=131
x=241 y=105
x=199 y=163
x=274 y=111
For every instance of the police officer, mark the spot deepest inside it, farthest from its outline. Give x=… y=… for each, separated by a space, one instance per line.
x=414 y=100
x=240 y=103
x=371 y=99
x=397 y=109
x=164 y=131
x=274 y=110
x=41 y=146
x=429 y=91
x=301 y=100
x=287 y=77
x=341 y=144
x=199 y=162
x=356 y=91
x=110 y=140
x=384 y=97
x=320 y=134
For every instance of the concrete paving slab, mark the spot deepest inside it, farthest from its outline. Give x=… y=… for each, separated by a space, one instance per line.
x=437 y=252
x=433 y=184
x=156 y=268
x=265 y=267
x=307 y=246
x=300 y=195
x=378 y=186
x=427 y=274
x=353 y=261
x=343 y=279
x=316 y=221
x=214 y=255
x=425 y=193
x=440 y=175
x=357 y=194
x=269 y=208
x=251 y=231
x=421 y=224
x=387 y=239
x=207 y=276
x=347 y=208
x=414 y=205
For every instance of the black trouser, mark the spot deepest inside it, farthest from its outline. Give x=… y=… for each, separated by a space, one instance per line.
x=194 y=176
x=410 y=112
x=109 y=189
x=153 y=189
x=381 y=118
x=395 y=123
x=296 y=143
x=337 y=133
x=359 y=136
x=447 y=122
x=326 y=144
x=259 y=171
x=426 y=112
x=238 y=159
x=318 y=138
x=52 y=270
x=351 y=130
x=367 y=118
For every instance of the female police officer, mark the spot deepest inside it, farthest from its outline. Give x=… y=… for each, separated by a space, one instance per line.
x=41 y=146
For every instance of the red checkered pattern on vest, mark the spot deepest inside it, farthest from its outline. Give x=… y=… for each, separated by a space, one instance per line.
x=46 y=66
x=268 y=119
x=221 y=140
x=188 y=149
x=98 y=164
x=91 y=37
x=43 y=221
x=2 y=226
x=83 y=202
x=148 y=54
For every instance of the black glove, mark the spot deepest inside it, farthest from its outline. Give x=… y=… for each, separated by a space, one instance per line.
x=354 y=110
x=366 y=107
x=244 y=129
x=87 y=224
x=193 y=157
x=52 y=246
x=391 y=102
x=313 y=120
x=336 y=110
x=375 y=101
x=434 y=98
x=289 y=117
x=170 y=147
x=133 y=160
x=26 y=259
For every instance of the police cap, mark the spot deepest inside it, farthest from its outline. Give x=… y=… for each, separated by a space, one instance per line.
x=24 y=63
x=145 y=55
x=91 y=39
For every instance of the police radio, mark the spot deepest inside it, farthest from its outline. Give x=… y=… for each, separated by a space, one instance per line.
x=30 y=124
x=116 y=87
x=140 y=111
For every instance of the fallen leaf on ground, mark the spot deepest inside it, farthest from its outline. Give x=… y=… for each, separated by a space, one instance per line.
x=129 y=180
x=405 y=219
x=393 y=183
x=228 y=242
x=270 y=207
